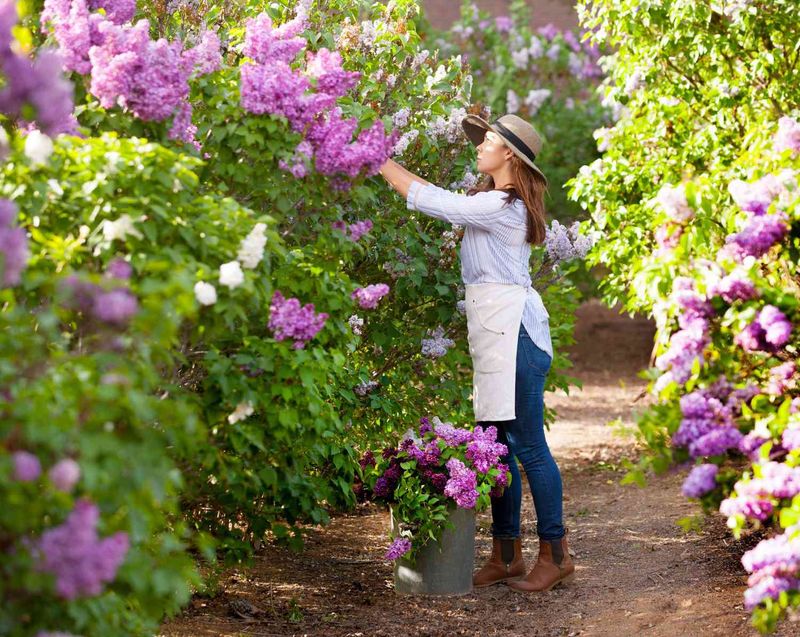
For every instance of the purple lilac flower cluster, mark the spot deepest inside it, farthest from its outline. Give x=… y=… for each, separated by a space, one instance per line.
x=115 y=306
x=355 y=230
x=287 y=319
x=149 y=78
x=782 y=378
x=483 y=450
x=707 y=427
x=398 y=549
x=38 y=83
x=735 y=286
x=79 y=560
x=774 y=565
x=701 y=480
x=269 y=85
x=769 y=332
x=369 y=296
x=436 y=345
x=788 y=135
x=13 y=245
x=462 y=485
x=761 y=230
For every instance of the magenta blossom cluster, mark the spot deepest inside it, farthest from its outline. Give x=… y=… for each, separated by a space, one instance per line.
x=788 y=135
x=734 y=287
x=26 y=466
x=335 y=153
x=755 y=498
x=115 y=306
x=287 y=319
x=462 y=485
x=769 y=332
x=297 y=165
x=80 y=561
x=483 y=450
x=33 y=83
x=398 y=549
x=762 y=229
x=707 y=427
x=149 y=78
x=307 y=99
x=355 y=230
x=774 y=565
x=701 y=480
x=13 y=245
x=369 y=296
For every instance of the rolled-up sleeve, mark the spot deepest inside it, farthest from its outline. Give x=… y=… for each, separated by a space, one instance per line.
x=481 y=210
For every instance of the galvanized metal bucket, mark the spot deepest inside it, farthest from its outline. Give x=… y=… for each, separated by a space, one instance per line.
x=444 y=567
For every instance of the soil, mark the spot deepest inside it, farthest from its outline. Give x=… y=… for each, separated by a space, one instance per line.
x=637 y=571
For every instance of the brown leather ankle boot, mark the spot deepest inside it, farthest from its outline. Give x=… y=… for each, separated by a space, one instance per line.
x=553 y=566
x=505 y=564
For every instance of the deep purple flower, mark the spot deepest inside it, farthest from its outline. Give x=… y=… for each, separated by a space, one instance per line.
x=287 y=319
x=399 y=547
x=425 y=425
x=367 y=460
x=79 y=560
x=27 y=467
x=700 y=481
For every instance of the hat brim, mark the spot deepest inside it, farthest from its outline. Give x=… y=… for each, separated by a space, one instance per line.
x=475 y=129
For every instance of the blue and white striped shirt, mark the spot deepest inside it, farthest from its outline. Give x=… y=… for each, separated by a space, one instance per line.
x=493 y=249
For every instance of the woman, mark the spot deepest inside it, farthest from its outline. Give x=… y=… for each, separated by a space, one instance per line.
x=508 y=333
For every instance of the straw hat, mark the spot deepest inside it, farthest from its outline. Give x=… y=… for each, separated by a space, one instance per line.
x=518 y=135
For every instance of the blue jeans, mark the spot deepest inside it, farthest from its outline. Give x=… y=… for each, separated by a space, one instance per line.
x=525 y=439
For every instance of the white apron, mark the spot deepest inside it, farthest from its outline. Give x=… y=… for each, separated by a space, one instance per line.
x=494 y=314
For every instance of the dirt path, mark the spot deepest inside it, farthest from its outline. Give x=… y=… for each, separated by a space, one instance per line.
x=637 y=572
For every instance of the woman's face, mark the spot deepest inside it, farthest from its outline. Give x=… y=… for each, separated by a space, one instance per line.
x=492 y=153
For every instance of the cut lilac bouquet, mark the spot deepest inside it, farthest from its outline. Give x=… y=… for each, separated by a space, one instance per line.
x=432 y=471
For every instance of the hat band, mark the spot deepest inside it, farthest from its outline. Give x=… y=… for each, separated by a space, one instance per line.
x=521 y=146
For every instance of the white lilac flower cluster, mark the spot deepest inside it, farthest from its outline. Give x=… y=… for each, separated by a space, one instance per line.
x=249 y=255
x=436 y=345
x=449 y=128
x=251 y=250
x=365 y=387
x=562 y=243
x=243 y=410
x=406 y=139
x=535 y=99
x=356 y=324
x=468 y=181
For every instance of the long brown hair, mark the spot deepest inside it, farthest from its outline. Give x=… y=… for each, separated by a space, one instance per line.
x=529 y=187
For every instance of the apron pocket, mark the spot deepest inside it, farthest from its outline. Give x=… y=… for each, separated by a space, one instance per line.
x=485 y=347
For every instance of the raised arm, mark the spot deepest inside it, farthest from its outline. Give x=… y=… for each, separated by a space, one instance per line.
x=399 y=178
x=481 y=210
